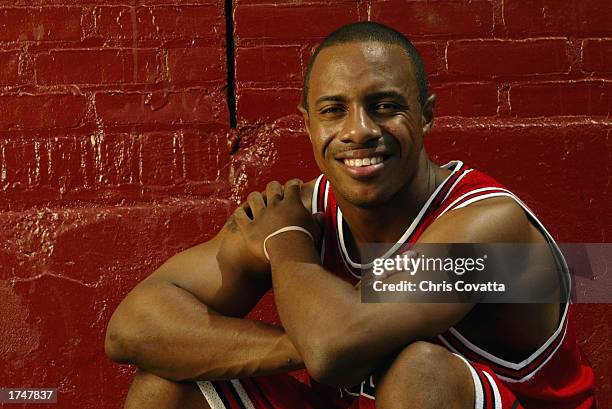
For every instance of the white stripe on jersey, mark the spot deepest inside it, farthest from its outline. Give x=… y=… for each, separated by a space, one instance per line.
x=455 y=184
x=478 y=386
x=211 y=395
x=326 y=195
x=242 y=394
x=497 y=404
x=314 y=205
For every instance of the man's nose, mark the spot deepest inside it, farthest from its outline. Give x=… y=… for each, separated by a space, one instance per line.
x=360 y=127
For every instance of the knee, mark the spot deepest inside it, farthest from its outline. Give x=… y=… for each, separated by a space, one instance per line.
x=422 y=359
x=151 y=391
x=424 y=375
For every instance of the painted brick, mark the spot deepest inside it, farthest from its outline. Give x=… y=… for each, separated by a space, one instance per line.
x=159 y=160
x=40 y=24
x=536 y=160
x=118 y=158
x=597 y=56
x=269 y=104
x=548 y=99
x=295 y=159
x=281 y=23
x=175 y=158
x=71 y=166
x=145 y=23
x=9 y=67
x=52 y=167
x=105 y=2
x=261 y=64
x=292 y=2
x=440 y=18
x=193 y=106
x=466 y=99
x=485 y=58
x=205 y=155
x=196 y=64
x=41 y=111
x=24 y=164
x=97 y=66
x=276 y=154
x=429 y=54
x=557 y=17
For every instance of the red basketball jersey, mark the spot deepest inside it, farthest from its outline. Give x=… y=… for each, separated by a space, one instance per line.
x=555 y=376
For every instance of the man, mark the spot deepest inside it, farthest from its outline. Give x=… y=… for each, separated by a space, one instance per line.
x=367 y=110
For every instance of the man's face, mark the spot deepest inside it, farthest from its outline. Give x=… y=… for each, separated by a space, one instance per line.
x=364 y=120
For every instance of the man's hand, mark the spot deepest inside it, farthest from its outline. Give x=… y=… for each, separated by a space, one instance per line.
x=279 y=207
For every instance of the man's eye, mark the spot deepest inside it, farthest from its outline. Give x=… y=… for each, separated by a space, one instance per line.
x=331 y=110
x=386 y=106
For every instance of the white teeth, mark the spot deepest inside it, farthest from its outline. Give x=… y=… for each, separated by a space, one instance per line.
x=363 y=162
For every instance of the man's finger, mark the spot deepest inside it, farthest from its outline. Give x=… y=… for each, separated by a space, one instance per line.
x=240 y=217
x=256 y=203
x=274 y=192
x=292 y=189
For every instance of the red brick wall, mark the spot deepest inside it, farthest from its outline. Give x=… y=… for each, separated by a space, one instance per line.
x=117 y=151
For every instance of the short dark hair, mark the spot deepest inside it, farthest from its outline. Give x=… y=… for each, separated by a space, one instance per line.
x=370 y=31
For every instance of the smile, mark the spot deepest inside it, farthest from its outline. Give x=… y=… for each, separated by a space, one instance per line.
x=365 y=167
x=358 y=163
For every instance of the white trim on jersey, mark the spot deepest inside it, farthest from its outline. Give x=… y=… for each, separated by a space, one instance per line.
x=463 y=196
x=326 y=195
x=211 y=395
x=478 y=387
x=314 y=207
x=496 y=395
x=345 y=390
x=507 y=364
x=315 y=195
x=456 y=182
x=482 y=197
x=407 y=233
x=242 y=394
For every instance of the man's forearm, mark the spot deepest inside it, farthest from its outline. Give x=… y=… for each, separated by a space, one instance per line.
x=316 y=309
x=173 y=335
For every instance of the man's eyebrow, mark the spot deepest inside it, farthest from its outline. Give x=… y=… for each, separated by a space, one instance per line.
x=335 y=98
x=388 y=94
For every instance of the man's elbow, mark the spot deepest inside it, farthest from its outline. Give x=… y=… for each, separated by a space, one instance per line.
x=116 y=342
x=330 y=364
x=115 y=345
x=122 y=333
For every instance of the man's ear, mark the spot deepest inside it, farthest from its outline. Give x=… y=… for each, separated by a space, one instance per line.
x=428 y=113
x=306 y=117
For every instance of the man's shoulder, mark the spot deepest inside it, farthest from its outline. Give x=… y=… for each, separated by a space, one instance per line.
x=493 y=220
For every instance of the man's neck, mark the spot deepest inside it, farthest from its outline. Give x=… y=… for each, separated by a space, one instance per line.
x=387 y=223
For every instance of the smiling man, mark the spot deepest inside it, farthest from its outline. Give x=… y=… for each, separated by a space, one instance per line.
x=367 y=110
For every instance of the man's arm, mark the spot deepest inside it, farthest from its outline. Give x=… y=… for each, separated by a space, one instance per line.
x=342 y=340
x=184 y=321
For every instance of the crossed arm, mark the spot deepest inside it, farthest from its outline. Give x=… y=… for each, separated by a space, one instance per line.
x=342 y=340
x=185 y=321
